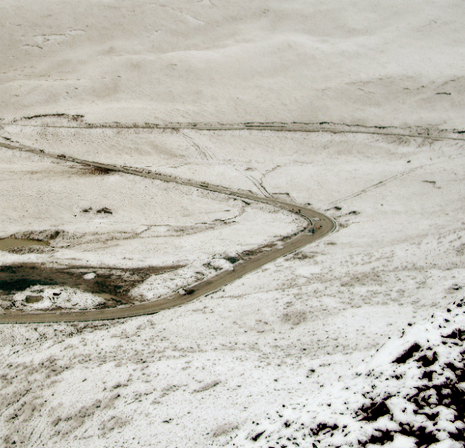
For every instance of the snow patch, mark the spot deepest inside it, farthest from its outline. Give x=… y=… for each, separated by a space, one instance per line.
x=42 y=298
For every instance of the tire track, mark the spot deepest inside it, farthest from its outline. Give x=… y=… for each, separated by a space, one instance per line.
x=203 y=153
x=384 y=182
x=259 y=185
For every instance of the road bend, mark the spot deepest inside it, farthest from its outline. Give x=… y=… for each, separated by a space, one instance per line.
x=318 y=225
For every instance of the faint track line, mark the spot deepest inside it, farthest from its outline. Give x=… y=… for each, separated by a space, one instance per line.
x=385 y=182
x=329 y=127
x=203 y=153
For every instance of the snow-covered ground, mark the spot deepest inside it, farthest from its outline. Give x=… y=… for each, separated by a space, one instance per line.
x=202 y=374
x=115 y=220
x=355 y=61
x=410 y=393
x=296 y=164
x=147 y=222
x=296 y=350
x=53 y=298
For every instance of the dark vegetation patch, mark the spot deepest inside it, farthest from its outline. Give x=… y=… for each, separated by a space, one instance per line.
x=75 y=117
x=24 y=250
x=441 y=389
x=99 y=170
x=257 y=436
x=112 y=284
x=301 y=255
x=373 y=411
x=408 y=354
x=419 y=395
x=42 y=235
x=105 y=210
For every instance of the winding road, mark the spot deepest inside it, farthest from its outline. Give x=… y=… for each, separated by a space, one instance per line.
x=318 y=226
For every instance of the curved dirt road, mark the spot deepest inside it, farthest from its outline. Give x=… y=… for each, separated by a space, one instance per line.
x=323 y=226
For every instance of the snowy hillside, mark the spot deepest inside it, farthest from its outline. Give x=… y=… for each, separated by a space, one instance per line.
x=356 y=340
x=411 y=393
x=379 y=63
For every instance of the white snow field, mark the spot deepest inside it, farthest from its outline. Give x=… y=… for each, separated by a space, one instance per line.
x=357 y=61
x=148 y=222
x=356 y=340
x=200 y=375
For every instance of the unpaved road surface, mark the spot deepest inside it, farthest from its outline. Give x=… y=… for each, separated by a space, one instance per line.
x=318 y=226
